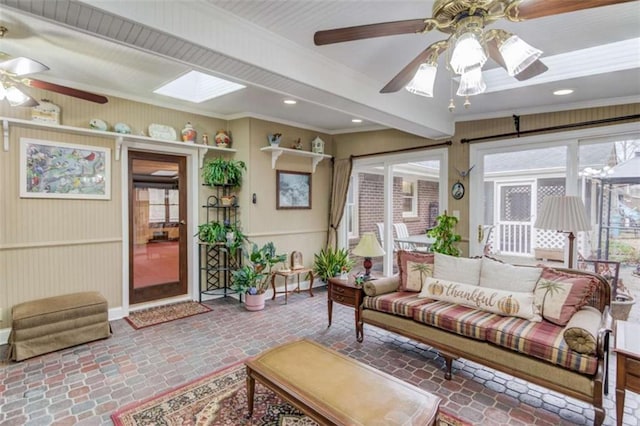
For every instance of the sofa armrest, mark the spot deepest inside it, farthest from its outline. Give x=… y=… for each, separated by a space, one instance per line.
x=381 y=285
x=606 y=328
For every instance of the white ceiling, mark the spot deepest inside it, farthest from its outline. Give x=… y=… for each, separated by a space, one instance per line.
x=129 y=48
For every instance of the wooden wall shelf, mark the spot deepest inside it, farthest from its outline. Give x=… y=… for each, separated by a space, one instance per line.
x=118 y=138
x=276 y=152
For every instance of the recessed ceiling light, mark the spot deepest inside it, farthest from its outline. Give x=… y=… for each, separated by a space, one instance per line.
x=290 y=101
x=563 y=92
x=356 y=120
x=197 y=87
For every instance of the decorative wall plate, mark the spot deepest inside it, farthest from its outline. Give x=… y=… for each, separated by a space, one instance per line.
x=122 y=128
x=457 y=190
x=160 y=131
x=97 y=124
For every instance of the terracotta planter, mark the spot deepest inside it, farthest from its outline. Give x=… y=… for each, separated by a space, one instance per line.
x=254 y=302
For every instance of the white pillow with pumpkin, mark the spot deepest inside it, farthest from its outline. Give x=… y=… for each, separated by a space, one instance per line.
x=501 y=302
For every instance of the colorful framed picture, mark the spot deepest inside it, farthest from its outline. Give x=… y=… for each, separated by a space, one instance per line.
x=61 y=170
x=293 y=190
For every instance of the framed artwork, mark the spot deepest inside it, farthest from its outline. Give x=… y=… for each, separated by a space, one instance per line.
x=293 y=190
x=61 y=170
x=457 y=190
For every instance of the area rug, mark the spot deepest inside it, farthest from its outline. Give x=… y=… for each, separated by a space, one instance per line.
x=220 y=399
x=161 y=314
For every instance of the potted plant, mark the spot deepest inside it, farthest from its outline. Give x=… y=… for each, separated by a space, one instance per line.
x=252 y=279
x=219 y=172
x=445 y=237
x=331 y=262
x=220 y=233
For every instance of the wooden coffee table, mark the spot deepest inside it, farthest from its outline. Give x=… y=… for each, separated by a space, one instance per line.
x=334 y=389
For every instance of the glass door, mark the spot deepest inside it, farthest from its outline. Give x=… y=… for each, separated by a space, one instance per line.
x=158 y=249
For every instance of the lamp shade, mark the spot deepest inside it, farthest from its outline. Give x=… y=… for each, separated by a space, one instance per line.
x=471 y=83
x=368 y=246
x=563 y=213
x=422 y=82
x=518 y=54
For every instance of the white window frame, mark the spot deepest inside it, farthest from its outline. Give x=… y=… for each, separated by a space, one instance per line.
x=354 y=207
x=414 y=198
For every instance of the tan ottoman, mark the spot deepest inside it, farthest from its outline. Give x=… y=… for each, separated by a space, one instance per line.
x=47 y=325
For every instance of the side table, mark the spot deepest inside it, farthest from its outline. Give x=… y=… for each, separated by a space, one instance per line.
x=627 y=350
x=346 y=293
x=286 y=275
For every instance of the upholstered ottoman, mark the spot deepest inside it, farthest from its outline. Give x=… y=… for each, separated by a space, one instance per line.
x=47 y=325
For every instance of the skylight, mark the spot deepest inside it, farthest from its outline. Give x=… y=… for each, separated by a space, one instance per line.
x=197 y=87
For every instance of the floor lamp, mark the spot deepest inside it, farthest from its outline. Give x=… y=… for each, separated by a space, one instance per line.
x=565 y=214
x=368 y=247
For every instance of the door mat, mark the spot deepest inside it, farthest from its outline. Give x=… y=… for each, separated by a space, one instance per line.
x=220 y=399
x=161 y=314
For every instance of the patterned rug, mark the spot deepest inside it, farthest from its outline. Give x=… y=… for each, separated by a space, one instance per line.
x=160 y=314
x=220 y=399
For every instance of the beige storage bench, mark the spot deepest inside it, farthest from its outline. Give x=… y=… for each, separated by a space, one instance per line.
x=47 y=325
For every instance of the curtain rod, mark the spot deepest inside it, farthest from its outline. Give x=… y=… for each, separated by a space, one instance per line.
x=519 y=133
x=395 y=151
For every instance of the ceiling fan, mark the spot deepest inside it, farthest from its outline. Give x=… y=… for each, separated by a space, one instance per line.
x=13 y=72
x=468 y=45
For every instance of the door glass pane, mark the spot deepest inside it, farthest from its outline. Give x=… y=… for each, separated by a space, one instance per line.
x=156 y=230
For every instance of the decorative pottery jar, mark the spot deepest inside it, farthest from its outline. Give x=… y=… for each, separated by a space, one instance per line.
x=274 y=139
x=189 y=133
x=222 y=138
x=46 y=112
x=205 y=139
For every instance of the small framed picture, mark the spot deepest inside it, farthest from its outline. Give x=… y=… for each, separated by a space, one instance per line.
x=293 y=190
x=457 y=190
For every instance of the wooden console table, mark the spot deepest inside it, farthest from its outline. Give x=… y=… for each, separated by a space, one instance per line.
x=346 y=293
x=628 y=363
x=286 y=275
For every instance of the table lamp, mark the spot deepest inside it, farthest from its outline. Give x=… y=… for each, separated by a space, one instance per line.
x=368 y=247
x=565 y=214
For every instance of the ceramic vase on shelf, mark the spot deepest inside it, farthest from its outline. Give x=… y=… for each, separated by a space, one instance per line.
x=222 y=139
x=274 y=140
x=189 y=133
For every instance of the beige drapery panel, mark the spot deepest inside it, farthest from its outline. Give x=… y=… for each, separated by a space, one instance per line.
x=339 y=189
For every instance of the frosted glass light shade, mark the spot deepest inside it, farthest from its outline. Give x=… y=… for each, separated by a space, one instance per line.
x=471 y=83
x=563 y=213
x=15 y=96
x=468 y=53
x=422 y=82
x=368 y=246
x=517 y=54
x=3 y=92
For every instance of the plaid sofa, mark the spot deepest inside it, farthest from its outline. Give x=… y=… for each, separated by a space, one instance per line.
x=533 y=351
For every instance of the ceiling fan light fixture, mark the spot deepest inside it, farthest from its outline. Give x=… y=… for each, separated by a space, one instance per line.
x=518 y=54
x=16 y=97
x=471 y=83
x=468 y=51
x=423 y=81
x=23 y=66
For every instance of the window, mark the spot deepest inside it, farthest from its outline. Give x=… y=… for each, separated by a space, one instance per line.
x=351 y=209
x=409 y=198
x=163 y=205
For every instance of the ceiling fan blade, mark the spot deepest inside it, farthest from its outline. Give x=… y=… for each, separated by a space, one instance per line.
x=339 y=35
x=80 y=94
x=22 y=66
x=536 y=68
x=532 y=9
x=406 y=74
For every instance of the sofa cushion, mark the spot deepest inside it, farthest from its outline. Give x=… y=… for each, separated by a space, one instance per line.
x=543 y=340
x=458 y=269
x=510 y=303
x=414 y=268
x=502 y=276
x=581 y=332
x=559 y=295
x=398 y=303
x=456 y=318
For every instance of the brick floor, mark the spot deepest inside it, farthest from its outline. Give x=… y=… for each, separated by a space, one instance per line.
x=85 y=384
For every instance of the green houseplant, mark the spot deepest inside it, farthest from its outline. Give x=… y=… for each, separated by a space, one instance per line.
x=252 y=279
x=219 y=171
x=218 y=232
x=331 y=262
x=445 y=237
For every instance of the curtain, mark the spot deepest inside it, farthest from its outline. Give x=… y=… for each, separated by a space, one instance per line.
x=339 y=189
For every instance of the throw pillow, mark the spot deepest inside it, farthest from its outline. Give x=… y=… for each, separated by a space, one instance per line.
x=507 y=303
x=581 y=332
x=414 y=268
x=559 y=295
x=502 y=276
x=458 y=269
